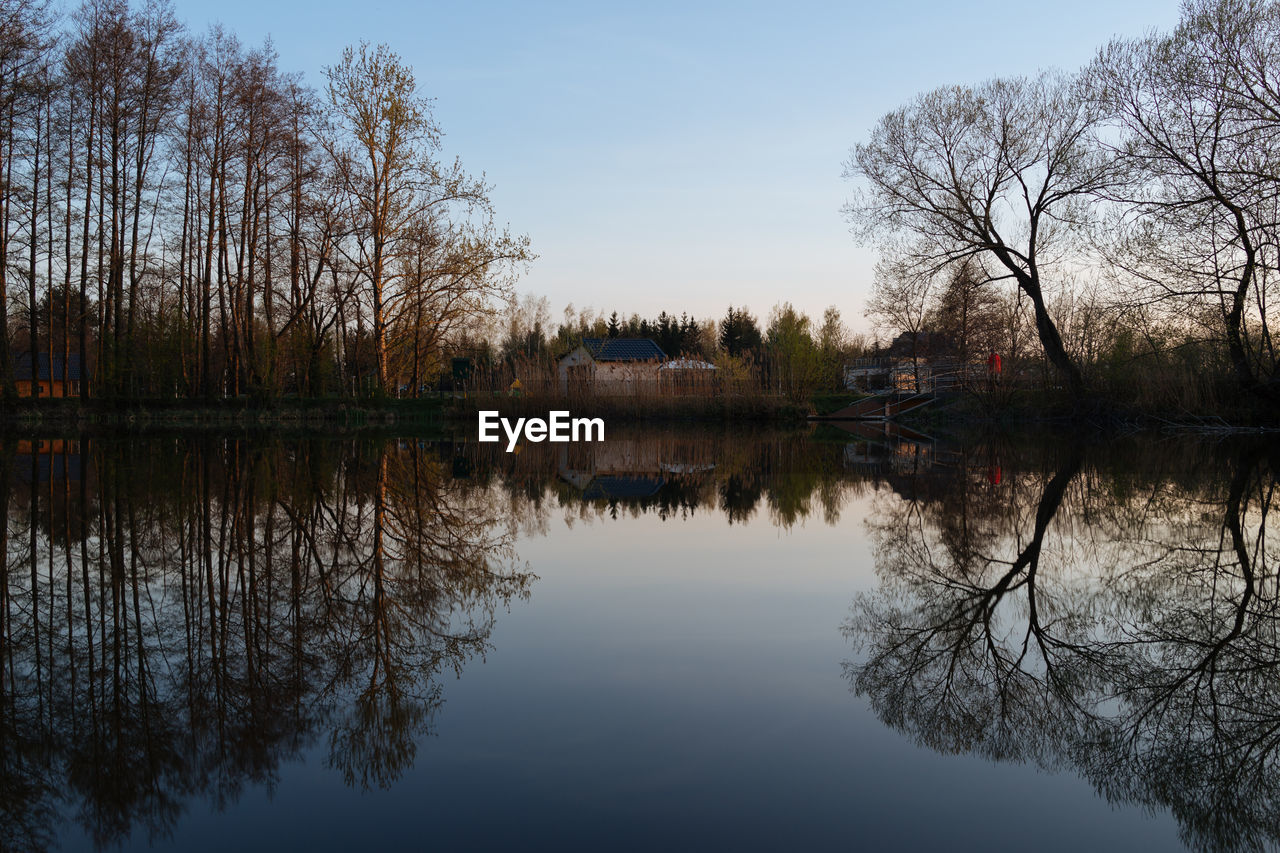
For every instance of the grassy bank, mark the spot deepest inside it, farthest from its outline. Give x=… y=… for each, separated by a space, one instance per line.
x=641 y=407
x=435 y=412
x=289 y=415
x=828 y=403
x=1097 y=411
x=442 y=414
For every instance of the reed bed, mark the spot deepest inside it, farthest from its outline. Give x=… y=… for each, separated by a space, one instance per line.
x=639 y=406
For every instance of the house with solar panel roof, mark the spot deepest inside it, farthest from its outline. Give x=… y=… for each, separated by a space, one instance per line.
x=48 y=375
x=615 y=366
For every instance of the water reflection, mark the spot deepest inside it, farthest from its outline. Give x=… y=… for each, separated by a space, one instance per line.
x=180 y=617
x=786 y=476
x=1115 y=617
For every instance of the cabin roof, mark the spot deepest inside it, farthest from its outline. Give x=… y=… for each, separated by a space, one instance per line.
x=623 y=349
x=22 y=367
x=621 y=488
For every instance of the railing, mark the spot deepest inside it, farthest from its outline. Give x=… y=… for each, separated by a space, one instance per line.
x=894 y=375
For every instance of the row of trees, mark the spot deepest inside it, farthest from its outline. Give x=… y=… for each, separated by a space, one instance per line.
x=790 y=353
x=1136 y=199
x=190 y=219
x=528 y=331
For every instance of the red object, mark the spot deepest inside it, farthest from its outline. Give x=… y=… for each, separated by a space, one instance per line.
x=993 y=473
x=993 y=362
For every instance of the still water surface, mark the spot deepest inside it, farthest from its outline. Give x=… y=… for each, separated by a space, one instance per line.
x=677 y=639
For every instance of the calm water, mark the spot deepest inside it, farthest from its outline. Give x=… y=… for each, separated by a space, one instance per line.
x=676 y=640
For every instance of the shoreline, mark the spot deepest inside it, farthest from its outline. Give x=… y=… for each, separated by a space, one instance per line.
x=447 y=415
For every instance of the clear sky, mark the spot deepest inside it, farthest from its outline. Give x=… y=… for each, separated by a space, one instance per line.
x=682 y=156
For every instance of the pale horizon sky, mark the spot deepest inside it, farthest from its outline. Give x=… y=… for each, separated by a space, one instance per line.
x=681 y=158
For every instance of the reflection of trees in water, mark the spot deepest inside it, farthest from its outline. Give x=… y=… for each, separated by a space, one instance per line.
x=1085 y=618
x=785 y=477
x=779 y=475
x=178 y=618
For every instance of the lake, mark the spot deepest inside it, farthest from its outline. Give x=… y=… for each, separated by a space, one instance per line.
x=678 y=638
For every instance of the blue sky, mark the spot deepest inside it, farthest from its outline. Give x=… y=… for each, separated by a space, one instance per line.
x=682 y=156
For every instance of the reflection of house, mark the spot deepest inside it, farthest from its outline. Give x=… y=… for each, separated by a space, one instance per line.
x=48 y=375
x=619 y=469
x=621 y=488
x=47 y=460
x=623 y=469
x=612 y=366
x=886 y=447
x=583 y=462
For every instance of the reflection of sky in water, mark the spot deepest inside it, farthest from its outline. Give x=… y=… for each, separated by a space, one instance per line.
x=680 y=674
x=677 y=685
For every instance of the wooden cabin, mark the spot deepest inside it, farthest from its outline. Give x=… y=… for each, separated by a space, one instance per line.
x=47 y=379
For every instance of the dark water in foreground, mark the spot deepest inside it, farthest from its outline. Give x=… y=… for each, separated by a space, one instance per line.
x=676 y=640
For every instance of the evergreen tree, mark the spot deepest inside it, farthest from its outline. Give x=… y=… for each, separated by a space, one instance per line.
x=739 y=333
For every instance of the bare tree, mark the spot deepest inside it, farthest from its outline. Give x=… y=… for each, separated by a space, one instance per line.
x=385 y=153
x=901 y=299
x=24 y=45
x=226 y=232
x=1002 y=173
x=452 y=277
x=967 y=313
x=1197 y=112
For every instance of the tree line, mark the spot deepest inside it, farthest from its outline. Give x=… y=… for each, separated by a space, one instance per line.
x=789 y=352
x=188 y=219
x=1132 y=205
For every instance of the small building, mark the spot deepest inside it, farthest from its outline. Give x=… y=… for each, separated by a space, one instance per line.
x=46 y=380
x=868 y=374
x=47 y=460
x=612 y=366
x=687 y=376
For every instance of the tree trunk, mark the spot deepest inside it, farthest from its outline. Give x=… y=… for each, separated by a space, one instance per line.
x=1051 y=340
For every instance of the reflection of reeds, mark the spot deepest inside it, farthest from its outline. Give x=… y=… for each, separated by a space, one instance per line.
x=740 y=471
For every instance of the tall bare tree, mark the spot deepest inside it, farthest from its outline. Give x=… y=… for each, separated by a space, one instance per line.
x=385 y=151
x=227 y=232
x=25 y=31
x=1197 y=113
x=1002 y=173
